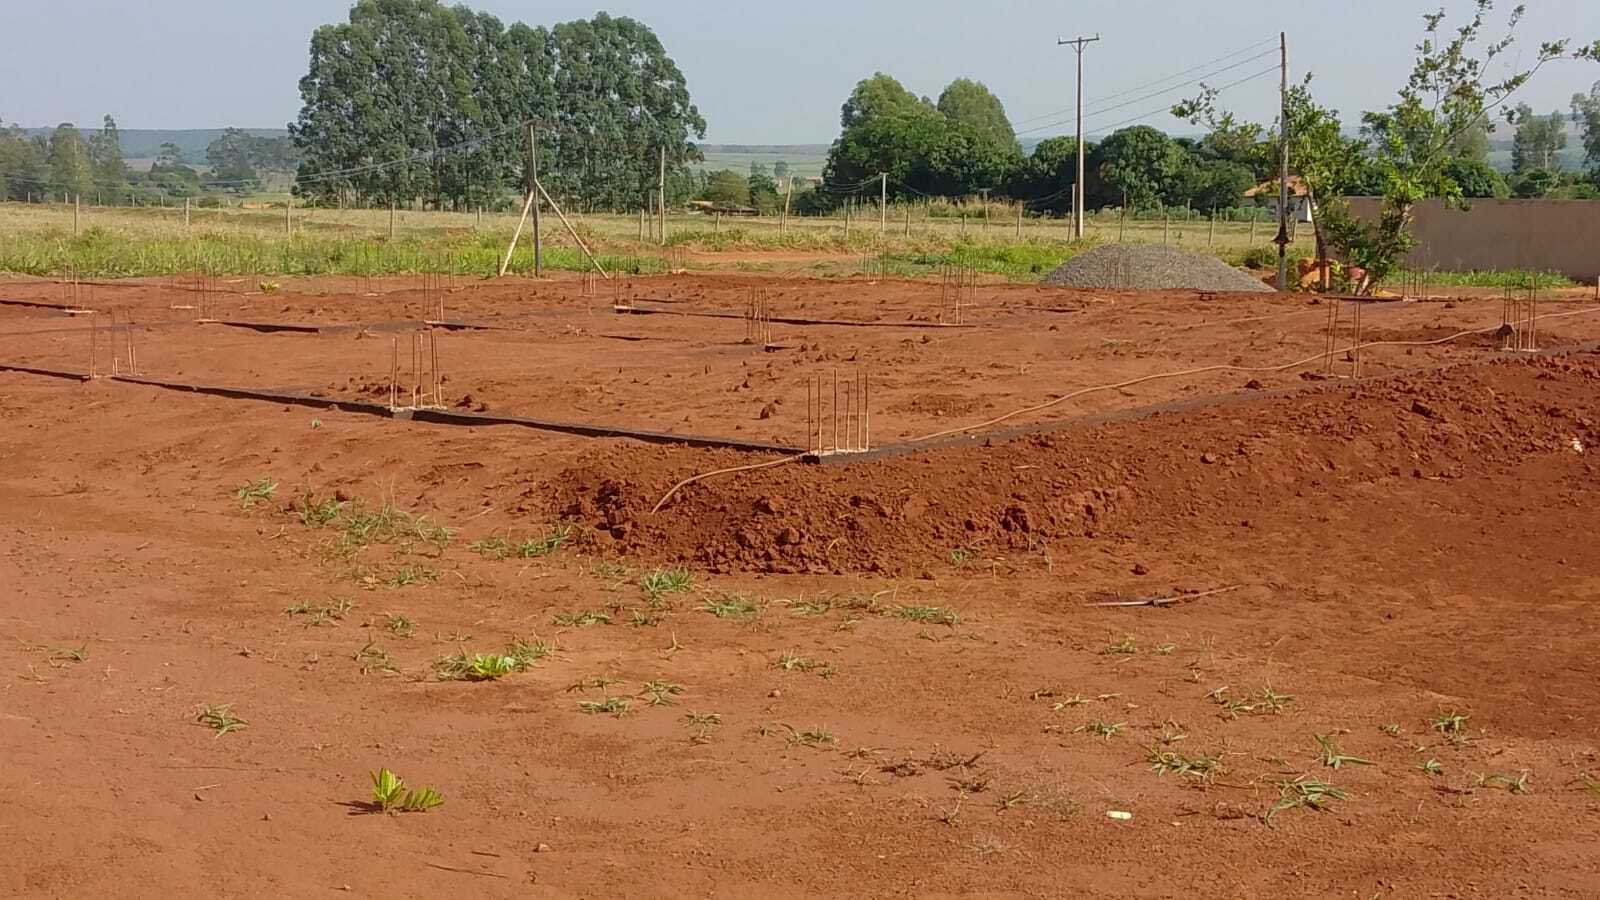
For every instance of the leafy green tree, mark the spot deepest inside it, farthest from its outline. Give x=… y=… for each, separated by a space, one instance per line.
x=70 y=171
x=1537 y=141
x=780 y=170
x=110 y=170
x=1533 y=183
x=171 y=175
x=1472 y=144
x=231 y=159
x=23 y=171
x=411 y=99
x=1586 y=112
x=1449 y=90
x=1049 y=173
x=879 y=97
x=971 y=103
x=1477 y=179
x=1140 y=162
x=1209 y=184
x=727 y=186
x=762 y=189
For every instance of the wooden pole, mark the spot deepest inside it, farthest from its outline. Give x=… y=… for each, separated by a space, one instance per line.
x=573 y=231
x=847 y=220
x=186 y=212
x=512 y=247
x=533 y=189
x=908 y=221
x=1283 y=165
x=391 y=222
x=77 y=201
x=288 y=218
x=1019 y=223
x=883 y=203
x=783 y=223
x=661 y=183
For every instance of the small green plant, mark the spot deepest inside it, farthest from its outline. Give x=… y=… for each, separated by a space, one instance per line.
x=1012 y=799
x=314 y=513
x=372 y=658
x=582 y=619
x=221 y=719
x=529 y=548
x=527 y=653
x=1305 y=792
x=660 y=693
x=661 y=582
x=615 y=706
x=1450 y=724
x=1516 y=784
x=316 y=615
x=702 y=725
x=644 y=619
x=255 y=492
x=1124 y=647
x=730 y=606
x=1431 y=767
x=959 y=556
x=597 y=683
x=1392 y=729
x=390 y=794
x=816 y=736
x=519 y=655
x=1265 y=702
x=400 y=626
x=1332 y=757
x=1107 y=730
x=933 y=615
x=1201 y=767
x=62 y=657
x=1590 y=784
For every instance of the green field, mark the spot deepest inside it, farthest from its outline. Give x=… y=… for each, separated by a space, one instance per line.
x=805 y=160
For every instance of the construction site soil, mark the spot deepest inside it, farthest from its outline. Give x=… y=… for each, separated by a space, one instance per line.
x=1369 y=606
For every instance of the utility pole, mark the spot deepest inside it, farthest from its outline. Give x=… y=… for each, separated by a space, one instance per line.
x=883 y=203
x=1078 y=44
x=1284 y=164
x=662 y=186
x=783 y=223
x=1282 y=240
x=533 y=191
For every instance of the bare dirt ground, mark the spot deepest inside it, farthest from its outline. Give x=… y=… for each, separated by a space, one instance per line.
x=884 y=678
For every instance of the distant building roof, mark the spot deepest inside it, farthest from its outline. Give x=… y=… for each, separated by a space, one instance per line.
x=1269 y=188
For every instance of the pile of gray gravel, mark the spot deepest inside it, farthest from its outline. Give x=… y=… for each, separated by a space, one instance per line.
x=1151 y=267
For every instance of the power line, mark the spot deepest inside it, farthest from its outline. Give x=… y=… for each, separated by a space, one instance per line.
x=1151 y=84
x=1167 y=90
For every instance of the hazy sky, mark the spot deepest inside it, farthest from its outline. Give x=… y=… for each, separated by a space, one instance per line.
x=763 y=72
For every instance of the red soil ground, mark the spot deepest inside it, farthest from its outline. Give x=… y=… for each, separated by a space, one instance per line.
x=1410 y=546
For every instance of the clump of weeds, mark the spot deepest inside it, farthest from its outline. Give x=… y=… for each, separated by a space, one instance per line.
x=390 y=794
x=220 y=719
x=1305 y=792
x=1334 y=758
x=661 y=582
x=253 y=493
x=928 y=615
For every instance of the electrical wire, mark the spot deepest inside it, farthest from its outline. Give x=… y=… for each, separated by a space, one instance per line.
x=1150 y=84
x=1167 y=90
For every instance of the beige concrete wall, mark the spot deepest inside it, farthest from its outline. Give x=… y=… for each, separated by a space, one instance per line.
x=1540 y=235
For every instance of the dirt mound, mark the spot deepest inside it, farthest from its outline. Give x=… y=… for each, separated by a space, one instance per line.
x=1145 y=481
x=1129 y=267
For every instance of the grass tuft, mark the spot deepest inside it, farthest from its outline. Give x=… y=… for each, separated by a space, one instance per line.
x=221 y=719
